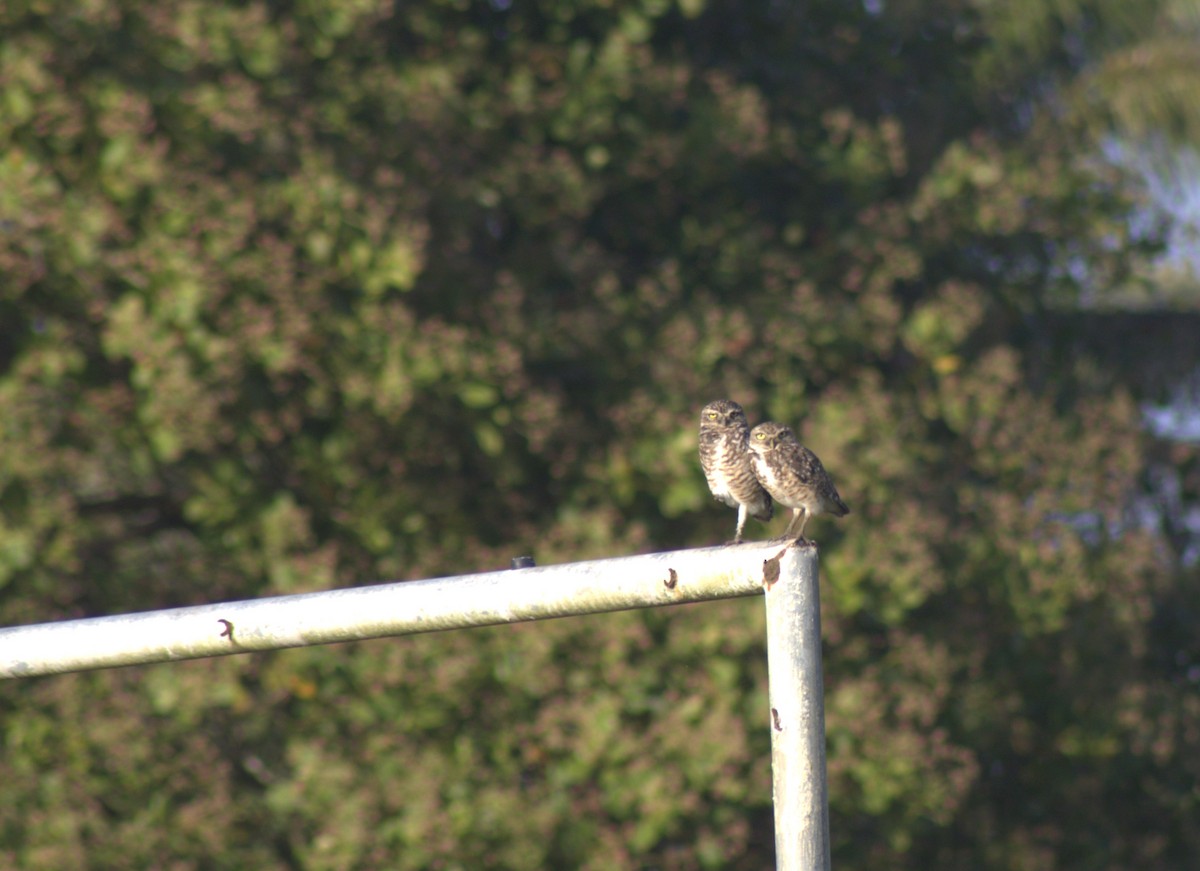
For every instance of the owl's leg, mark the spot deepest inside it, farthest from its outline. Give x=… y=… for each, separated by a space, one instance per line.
x=800 y=539
x=797 y=513
x=741 y=524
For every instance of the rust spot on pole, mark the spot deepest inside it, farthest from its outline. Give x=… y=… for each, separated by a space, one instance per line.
x=770 y=571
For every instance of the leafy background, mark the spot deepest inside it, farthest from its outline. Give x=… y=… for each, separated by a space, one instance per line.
x=304 y=295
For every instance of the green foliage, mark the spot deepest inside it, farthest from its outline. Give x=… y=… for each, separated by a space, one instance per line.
x=303 y=296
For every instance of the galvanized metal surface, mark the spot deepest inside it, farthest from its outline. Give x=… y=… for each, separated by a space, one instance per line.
x=797 y=716
x=385 y=609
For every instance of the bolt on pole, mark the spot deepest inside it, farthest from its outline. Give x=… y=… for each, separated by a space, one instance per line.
x=797 y=720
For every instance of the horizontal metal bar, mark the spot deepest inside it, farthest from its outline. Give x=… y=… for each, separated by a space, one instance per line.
x=386 y=609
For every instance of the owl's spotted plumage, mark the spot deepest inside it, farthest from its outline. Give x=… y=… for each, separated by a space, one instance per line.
x=793 y=476
x=726 y=461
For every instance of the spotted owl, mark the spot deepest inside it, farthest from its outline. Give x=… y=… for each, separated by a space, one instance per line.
x=793 y=476
x=726 y=462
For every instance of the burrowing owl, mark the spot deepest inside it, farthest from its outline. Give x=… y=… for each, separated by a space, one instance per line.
x=793 y=475
x=726 y=461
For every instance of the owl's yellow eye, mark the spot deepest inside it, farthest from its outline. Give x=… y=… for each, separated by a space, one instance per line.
x=760 y=436
x=712 y=415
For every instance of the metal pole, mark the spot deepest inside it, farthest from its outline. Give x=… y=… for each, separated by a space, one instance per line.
x=386 y=609
x=797 y=711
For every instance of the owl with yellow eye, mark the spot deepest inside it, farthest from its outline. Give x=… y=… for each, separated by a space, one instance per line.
x=725 y=459
x=793 y=476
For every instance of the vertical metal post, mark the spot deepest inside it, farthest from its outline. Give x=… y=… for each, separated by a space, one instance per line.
x=797 y=711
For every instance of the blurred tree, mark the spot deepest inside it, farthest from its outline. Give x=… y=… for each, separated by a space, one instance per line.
x=304 y=295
